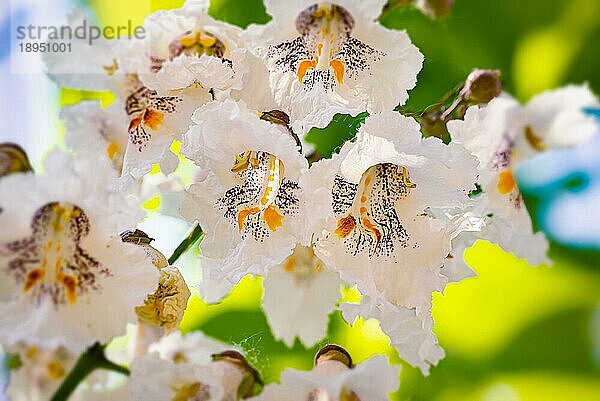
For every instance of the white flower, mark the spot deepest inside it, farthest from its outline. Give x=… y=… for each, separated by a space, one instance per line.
x=489 y=133
x=90 y=128
x=410 y=333
x=63 y=261
x=555 y=119
x=335 y=379
x=299 y=296
x=249 y=201
x=194 y=347
x=166 y=306
x=155 y=379
x=153 y=120
x=185 y=46
x=376 y=203
x=379 y=190
x=226 y=378
x=465 y=228
x=40 y=373
x=333 y=57
x=84 y=66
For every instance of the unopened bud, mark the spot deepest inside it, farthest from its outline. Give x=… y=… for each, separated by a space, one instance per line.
x=13 y=159
x=333 y=352
x=281 y=118
x=482 y=86
x=435 y=8
x=433 y=124
x=251 y=381
x=275 y=116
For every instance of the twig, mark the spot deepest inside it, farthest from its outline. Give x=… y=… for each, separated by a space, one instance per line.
x=194 y=234
x=89 y=361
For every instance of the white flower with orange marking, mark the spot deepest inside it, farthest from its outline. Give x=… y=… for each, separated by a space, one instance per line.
x=310 y=291
x=373 y=202
x=63 y=261
x=494 y=134
x=39 y=373
x=336 y=378
x=183 y=47
x=555 y=119
x=194 y=347
x=228 y=376
x=379 y=191
x=93 y=130
x=153 y=119
x=250 y=198
x=333 y=57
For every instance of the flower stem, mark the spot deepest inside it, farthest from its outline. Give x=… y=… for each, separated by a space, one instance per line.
x=194 y=234
x=93 y=358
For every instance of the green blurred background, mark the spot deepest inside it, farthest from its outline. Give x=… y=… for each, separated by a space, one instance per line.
x=514 y=333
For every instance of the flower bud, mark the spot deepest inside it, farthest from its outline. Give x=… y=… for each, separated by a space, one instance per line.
x=13 y=159
x=333 y=352
x=433 y=124
x=435 y=8
x=482 y=86
x=250 y=382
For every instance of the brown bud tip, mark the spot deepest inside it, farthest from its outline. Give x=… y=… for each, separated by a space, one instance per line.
x=136 y=236
x=275 y=116
x=239 y=360
x=436 y=8
x=333 y=352
x=13 y=159
x=482 y=86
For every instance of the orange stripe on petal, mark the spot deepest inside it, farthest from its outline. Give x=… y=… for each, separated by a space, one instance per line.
x=32 y=278
x=345 y=226
x=506 y=182
x=243 y=214
x=153 y=119
x=338 y=70
x=273 y=218
x=303 y=68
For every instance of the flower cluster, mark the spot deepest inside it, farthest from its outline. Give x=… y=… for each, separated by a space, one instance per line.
x=390 y=213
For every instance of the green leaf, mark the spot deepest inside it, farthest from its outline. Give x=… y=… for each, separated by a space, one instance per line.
x=330 y=139
x=239 y=12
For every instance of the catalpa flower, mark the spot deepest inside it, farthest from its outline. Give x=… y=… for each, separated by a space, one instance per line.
x=409 y=332
x=194 y=347
x=336 y=378
x=93 y=130
x=185 y=46
x=153 y=120
x=489 y=133
x=333 y=57
x=554 y=119
x=166 y=306
x=227 y=377
x=311 y=290
x=375 y=198
x=39 y=372
x=250 y=197
x=63 y=262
